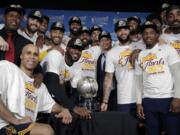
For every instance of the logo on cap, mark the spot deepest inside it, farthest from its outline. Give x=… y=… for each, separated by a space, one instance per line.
x=75 y=18
x=104 y=34
x=148 y=23
x=78 y=42
x=59 y=24
x=37 y=13
x=122 y=23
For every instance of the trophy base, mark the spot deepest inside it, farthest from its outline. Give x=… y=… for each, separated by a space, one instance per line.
x=90 y=103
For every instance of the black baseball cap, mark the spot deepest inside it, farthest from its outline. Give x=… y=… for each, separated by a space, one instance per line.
x=121 y=24
x=85 y=29
x=149 y=24
x=15 y=7
x=96 y=27
x=135 y=18
x=75 y=43
x=104 y=34
x=58 y=26
x=45 y=17
x=74 y=19
x=36 y=14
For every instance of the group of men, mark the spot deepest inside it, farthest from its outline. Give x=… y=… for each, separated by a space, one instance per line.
x=142 y=66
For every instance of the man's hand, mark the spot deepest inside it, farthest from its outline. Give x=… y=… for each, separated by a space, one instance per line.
x=38 y=78
x=84 y=113
x=40 y=41
x=65 y=115
x=134 y=56
x=24 y=120
x=4 y=46
x=60 y=49
x=140 y=111
x=104 y=107
x=175 y=105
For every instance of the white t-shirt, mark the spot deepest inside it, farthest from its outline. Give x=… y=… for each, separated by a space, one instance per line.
x=54 y=62
x=117 y=61
x=36 y=100
x=88 y=61
x=44 y=50
x=154 y=64
x=173 y=40
x=16 y=93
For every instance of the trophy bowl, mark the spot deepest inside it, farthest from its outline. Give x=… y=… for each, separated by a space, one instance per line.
x=87 y=87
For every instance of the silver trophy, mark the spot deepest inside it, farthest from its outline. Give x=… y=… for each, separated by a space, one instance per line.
x=87 y=88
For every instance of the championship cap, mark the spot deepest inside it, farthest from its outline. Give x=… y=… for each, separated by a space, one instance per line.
x=58 y=26
x=104 y=34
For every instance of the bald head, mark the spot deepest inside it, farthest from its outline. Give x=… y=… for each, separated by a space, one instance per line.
x=29 y=57
x=30 y=47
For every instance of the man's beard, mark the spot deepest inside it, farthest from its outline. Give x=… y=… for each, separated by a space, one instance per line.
x=75 y=33
x=85 y=44
x=56 y=43
x=175 y=27
x=30 y=30
x=123 y=40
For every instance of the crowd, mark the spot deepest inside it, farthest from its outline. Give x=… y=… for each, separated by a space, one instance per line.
x=137 y=74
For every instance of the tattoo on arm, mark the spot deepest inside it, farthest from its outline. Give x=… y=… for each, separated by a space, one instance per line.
x=107 y=86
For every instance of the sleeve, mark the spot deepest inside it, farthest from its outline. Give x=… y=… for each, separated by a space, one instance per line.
x=57 y=91
x=46 y=102
x=42 y=55
x=53 y=61
x=173 y=56
x=109 y=63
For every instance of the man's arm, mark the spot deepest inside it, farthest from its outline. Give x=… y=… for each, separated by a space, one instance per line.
x=62 y=113
x=10 y=117
x=58 y=91
x=139 y=93
x=3 y=45
x=106 y=90
x=175 y=70
x=139 y=88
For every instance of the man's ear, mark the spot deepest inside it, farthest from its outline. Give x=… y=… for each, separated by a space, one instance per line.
x=21 y=56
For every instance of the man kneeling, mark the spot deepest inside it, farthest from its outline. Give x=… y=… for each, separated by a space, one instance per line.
x=20 y=101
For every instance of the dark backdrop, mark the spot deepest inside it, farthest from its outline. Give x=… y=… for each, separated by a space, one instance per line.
x=97 y=5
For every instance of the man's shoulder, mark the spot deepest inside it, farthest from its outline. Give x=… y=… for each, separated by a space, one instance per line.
x=19 y=39
x=8 y=66
x=23 y=39
x=7 y=63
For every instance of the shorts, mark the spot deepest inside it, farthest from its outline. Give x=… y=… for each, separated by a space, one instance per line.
x=22 y=129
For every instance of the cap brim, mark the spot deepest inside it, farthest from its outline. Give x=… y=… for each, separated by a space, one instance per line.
x=105 y=37
x=76 y=47
x=86 y=31
x=35 y=17
x=132 y=18
x=74 y=22
x=122 y=27
x=57 y=28
x=149 y=26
